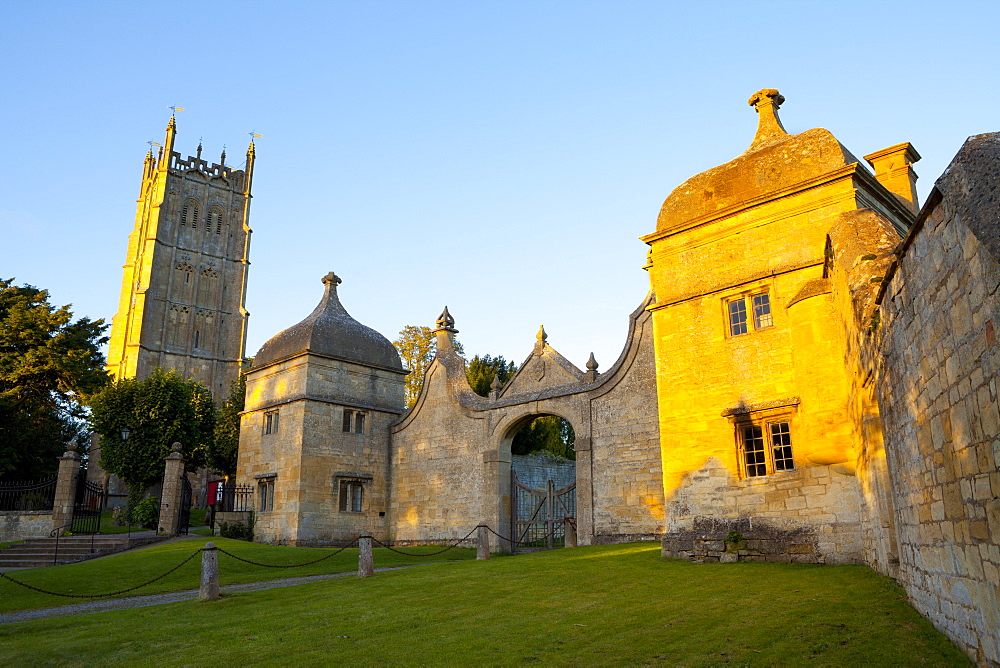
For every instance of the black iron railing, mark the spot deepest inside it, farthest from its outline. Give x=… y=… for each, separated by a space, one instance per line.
x=29 y=495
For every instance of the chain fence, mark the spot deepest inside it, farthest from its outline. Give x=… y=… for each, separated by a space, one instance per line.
x=428 y=554
x=308 y=563
x=109 y=594
x=354 y=542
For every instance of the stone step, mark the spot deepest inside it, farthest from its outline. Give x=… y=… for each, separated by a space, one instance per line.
x=38 y=552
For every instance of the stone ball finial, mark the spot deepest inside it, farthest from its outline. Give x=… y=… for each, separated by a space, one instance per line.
x=176 y=447
x=71 y=446
x=765 y=95
x=332 y=278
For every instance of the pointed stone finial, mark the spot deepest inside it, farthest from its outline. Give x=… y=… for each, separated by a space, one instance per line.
x=445 y=321
x=592 y=363
x=767 y=101
x=332 y=278
x=542 y=336
x=199 y=150
x=495 y=383
x=222 y=160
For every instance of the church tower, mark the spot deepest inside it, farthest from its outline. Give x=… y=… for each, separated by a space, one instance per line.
x=183 y=294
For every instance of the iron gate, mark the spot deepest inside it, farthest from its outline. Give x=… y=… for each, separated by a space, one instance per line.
x=186 y=498
x=538 y=516
x=87 y=506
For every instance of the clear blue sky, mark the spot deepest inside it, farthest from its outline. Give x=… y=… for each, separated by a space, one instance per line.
x=498 y=157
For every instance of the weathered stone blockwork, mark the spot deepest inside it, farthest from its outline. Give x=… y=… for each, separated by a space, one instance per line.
x=938 y=393
x=21 y=525
x=451 y=456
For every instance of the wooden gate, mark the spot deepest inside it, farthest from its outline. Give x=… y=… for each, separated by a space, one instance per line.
x=538 y=516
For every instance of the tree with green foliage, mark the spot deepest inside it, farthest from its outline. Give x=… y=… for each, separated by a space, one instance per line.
x=481 y=371
x=225 y=446
x=138 y=420
x=49 y=364
x=548 y=433
x=416 y=347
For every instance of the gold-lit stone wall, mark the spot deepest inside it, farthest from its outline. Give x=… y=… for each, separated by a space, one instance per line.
x=184 y=280
x=758 y=224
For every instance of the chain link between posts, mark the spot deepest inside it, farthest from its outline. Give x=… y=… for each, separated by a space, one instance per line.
x=429 y=554
x=308 y=563
x=113 y=593
x=352 y=543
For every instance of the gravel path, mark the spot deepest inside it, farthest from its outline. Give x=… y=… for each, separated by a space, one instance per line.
x=92 y=607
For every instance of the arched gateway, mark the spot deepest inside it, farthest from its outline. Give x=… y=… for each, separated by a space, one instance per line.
x=450 y=455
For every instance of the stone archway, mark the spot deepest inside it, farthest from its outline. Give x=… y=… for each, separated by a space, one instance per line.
x=451 y=456
x=543 y=481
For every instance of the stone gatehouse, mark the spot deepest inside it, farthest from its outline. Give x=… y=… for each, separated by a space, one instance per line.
x=814 y=369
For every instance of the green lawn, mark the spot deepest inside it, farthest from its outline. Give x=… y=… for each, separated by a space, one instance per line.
x=108 y=526
x=125 y=570
x=612 y=605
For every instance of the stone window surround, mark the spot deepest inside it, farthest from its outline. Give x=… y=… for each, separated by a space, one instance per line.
x=751 y=319
x=763 y=415
x=271 y=423
x=265 y=491
x=353 y=421
x=345 y=483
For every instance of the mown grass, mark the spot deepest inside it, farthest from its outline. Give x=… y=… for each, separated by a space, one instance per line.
x=128 y=569
x=108 y=525
x=611 y=605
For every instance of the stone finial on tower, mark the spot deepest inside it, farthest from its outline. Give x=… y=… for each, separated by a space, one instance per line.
x=168 y=143
x=769 y=128
x=222 y=158
x=591 y=373
x=198 y=154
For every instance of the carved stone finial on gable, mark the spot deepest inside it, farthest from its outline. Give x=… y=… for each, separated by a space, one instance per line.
x=766 y=101
x=332 y=278
x=445 y=321
x=591 y=374
x=495 y=384
x=542 y=336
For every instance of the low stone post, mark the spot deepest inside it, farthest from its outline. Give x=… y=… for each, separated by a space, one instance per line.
x=482 y=542
x=570 y=525
x=209 y=573
x=170 y=504
x=65 y=497
x=366 y=567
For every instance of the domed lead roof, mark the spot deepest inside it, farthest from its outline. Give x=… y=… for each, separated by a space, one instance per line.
x=330 y=330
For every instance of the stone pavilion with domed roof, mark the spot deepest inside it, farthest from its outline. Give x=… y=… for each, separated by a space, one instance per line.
x=314 y=436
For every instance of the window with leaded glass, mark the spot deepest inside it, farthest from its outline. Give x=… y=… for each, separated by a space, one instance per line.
x=765 y=448
x=781 y=446
x=754 y=463
x=351 y=496
x=737 y=317
x=761 y=311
